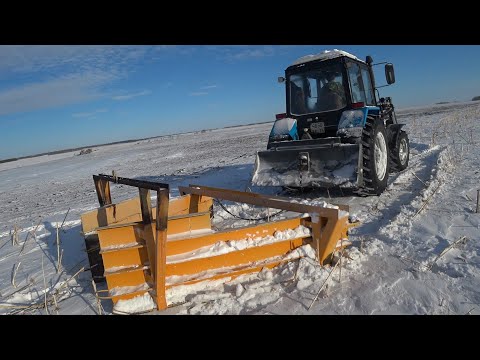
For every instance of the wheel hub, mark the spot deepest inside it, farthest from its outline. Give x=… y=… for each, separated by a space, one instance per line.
x=380 y=155
x=403 y=151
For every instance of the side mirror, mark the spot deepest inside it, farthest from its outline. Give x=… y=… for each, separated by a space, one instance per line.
x=281 y=79
x=389 y=73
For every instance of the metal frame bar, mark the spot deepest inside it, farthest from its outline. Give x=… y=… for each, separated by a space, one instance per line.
x=151 y=185
x=271 y=201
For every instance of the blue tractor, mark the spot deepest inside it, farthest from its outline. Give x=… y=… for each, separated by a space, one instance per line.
x=336 y=131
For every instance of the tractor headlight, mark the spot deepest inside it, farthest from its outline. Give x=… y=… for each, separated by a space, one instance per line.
x=284 y=129
x=280 y=137
x=351 y=119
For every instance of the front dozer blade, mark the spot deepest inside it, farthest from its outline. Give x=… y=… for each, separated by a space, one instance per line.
x=323 y=166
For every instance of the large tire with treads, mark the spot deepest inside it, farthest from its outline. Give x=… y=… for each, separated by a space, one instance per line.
x=400 y=153
x=376 y=156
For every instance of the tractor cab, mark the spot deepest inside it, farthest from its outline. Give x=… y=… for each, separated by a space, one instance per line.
x=320 y=88
x=335 y=132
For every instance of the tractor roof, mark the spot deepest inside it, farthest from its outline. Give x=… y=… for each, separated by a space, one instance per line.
x=325 y=55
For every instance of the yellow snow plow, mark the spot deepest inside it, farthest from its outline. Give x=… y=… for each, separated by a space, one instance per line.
x=139 y=249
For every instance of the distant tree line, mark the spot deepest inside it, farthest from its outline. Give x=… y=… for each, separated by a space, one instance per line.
x=476 y=98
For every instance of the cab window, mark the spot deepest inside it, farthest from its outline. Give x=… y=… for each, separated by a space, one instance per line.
x=356 y=83
x=367 y=85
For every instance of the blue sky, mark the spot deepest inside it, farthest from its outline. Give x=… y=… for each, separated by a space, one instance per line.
x=55 y=97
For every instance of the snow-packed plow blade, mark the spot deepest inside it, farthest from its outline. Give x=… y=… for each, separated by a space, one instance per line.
x=146 y=251
x=307 y=164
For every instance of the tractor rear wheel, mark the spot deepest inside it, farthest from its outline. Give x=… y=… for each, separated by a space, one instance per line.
x=400 y=153
x=376 y=156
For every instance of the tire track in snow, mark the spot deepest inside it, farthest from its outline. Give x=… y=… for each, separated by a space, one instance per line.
x=400 y=201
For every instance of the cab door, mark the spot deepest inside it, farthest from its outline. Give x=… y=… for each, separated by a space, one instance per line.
x=360 y=84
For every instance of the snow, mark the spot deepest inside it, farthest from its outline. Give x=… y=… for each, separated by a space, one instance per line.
x=121 y=246
x=114 y=269
x=135 y=305
x=225 y=247
x=353 y=132
x=345 y=175
x=190 y=233
x=391 y=267
x=324 y=55
x=128 y=289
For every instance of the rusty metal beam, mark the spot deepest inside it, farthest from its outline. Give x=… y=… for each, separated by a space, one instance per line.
x=161 y=247
x=151 y=185
x=270 y=201
x=145 y=206
x=103 y=191
x=148 y=225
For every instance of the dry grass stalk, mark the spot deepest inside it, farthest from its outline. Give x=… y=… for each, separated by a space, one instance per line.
x=5 y=306
x=59 y=265
x=463 y=138
x=99 y=305
x=427 y=201
x=446 y=250
x=60 y=258
x=15 y=235
x=50 y=300
x=478 y=202
x=71 y=278
x=45 y=285
x=56 y=304
x=323 y=285
x=434 y=134
x=15 y=269
x=26 y=238
x=401 y=257
x=16 y=291
x=340 y=275
x=61 y=226
x=419 y=179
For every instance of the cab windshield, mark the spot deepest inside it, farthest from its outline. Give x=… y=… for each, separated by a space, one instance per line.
x=317 y=90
